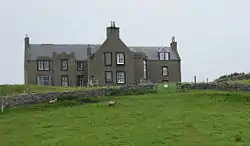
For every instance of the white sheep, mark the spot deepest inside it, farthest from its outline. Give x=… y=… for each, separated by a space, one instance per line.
x=112 y=103
x=53 y=101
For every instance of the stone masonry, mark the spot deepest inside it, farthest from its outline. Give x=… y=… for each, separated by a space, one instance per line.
x=217 y=86
x=45 y=97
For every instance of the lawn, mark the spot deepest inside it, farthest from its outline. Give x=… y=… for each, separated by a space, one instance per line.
x=167 y=118
x=24 y=89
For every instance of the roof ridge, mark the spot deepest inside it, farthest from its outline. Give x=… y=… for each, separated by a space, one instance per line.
x=149 y=46
x=66 y=44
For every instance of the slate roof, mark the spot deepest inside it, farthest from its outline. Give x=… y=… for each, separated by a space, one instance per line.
x=81 y=50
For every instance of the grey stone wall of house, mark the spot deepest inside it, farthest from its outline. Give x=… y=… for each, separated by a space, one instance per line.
x=71 y=72
x=55 y=71
x=155 y=70
x=112 y=44
x=139 y=66
x=45 y=97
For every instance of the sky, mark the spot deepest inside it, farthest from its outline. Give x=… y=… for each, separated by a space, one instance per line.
x=213 y=35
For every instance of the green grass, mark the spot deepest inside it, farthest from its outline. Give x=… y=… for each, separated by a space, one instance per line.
x=167 y=118
x=246 y=82
x=24 y=89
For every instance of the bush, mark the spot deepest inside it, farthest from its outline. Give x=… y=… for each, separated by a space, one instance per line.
x=230 y=76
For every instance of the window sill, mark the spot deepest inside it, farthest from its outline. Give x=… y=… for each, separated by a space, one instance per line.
x=120 y=83
x=44 y=70
x=120 y=64
x=108 y=81
x=107 y=65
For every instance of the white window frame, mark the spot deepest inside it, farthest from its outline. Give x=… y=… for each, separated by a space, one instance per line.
x=164 y=55
x=64 y=64
x=44 y=80
x=46 y=64
x=65 y=80
x=165 y=71
x=120 y=77
x=80 y=65
x=120 y=58
x=144 y=69
x=43 y=65
x=80 y=80
x=40 y=65
x=167 y=55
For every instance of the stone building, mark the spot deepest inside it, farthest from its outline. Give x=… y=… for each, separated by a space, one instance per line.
x=112 y=62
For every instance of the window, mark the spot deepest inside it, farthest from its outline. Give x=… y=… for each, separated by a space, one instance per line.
x=120 y=58
x=80 y=65
x=80 y=80
x=108 y=58
x=120 y=77
x=43 y=80
x=164 y=55
x=108 y=77
x=144 y=69
x=64 y=64
x=43 y=65
x=165 y=71
x=65 y=80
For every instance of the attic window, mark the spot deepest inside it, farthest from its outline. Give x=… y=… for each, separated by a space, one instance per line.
x=164 y=55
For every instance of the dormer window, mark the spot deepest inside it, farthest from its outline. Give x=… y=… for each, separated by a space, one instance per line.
x=164 y=55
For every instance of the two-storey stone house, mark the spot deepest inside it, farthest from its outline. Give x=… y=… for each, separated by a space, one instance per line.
x=112 y=62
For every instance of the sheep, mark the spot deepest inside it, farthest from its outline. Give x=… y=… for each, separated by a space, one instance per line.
x=53 y=101
x=112 y=103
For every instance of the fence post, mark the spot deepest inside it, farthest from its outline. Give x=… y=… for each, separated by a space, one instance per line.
x=194 y=79
x=2 y=105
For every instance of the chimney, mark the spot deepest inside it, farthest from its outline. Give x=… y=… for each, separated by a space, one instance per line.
x=89 y=53
x=173 y=44
x=112 y=31
x=26 y=42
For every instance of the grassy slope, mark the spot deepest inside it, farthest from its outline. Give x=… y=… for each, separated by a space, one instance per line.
x=183 y=119
x=21 y=89
x=246 y=82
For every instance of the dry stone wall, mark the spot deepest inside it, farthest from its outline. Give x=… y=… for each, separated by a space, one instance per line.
x=217 y=86
x=45 y=97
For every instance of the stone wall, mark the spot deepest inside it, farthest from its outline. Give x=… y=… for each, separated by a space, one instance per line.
x=217 y=86
x=45 y=97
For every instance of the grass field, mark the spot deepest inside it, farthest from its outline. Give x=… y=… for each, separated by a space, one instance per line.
x=192 y=118
x=246 y=82
x=24 y=89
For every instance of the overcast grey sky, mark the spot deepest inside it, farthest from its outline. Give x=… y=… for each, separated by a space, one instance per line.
x=213 y=35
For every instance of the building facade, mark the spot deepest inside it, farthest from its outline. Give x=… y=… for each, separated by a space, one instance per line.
x=112 y=62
